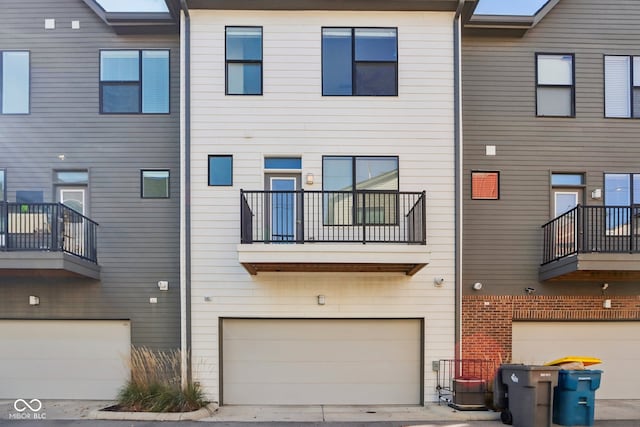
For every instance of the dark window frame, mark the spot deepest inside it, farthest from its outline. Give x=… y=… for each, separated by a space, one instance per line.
x=2 y=51
x=209 y=157
x=632 y=113
x=497 y=184
x=354 y=62
x=142 y=193
x=228 y=61
x=139 y=83
x=572 y=86
x=355 y=208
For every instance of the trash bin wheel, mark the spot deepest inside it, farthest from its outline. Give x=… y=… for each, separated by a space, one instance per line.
x=506 y=417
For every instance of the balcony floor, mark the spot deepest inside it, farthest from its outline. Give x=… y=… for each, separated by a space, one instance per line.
x=319 y=257
x=593 y=267
x=44 y=263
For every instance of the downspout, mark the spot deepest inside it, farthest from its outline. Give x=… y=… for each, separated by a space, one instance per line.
x=185 y=302
x=457 y=102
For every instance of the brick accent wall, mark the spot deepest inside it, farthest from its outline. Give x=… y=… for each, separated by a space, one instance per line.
x=487 y=320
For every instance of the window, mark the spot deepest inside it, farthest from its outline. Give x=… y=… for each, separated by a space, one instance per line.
x=360 y=61
x=29 y=196
x=567 y=179
x=283 y=163
x=220 y=170
x=244 y=60
x=3 y=185
x=485 y=185
x=364 y=188
x=555 y=87
x=134 y=81
x=155 y=184
x=621 y=196
x=622 y=86
x=14 y=82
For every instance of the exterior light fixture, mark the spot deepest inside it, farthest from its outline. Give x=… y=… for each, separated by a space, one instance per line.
x=310 y=178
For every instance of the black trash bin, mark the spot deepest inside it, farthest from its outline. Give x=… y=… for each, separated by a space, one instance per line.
x=574 y=397
x=529 y=394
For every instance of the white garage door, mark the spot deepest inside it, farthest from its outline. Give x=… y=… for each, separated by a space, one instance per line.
x=616 y=343
x=321 y=361
x=63 y=359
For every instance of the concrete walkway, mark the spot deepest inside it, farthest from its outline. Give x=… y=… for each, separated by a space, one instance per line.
x=82 y=409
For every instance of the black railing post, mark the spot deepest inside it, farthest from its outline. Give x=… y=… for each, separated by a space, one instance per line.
x=242 y=237
x=301 y=221
x=424 y=217
x=4 y=225
x=364 y=222
x=631 y=229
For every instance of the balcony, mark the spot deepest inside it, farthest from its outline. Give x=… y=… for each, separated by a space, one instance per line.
x=592 y=243
x=47 y=238
x=333 y=231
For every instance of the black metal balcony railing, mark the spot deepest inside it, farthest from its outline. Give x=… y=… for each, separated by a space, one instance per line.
x=333 y=217
x=47 y=227
x=588 y=229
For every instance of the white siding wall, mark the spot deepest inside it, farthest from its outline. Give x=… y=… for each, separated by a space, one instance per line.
x=292 y=118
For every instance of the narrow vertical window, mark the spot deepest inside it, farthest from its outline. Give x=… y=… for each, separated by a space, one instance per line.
x=133 y=81
x=14 y=82
x=555 y=88
x=220 y=170
x=360 y=61
x=621 y=86
x=155 y=184
x=244 y=60
x=3 y=186
x=485 y=185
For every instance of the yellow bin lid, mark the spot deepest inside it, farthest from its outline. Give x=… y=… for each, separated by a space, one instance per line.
x=586 y=361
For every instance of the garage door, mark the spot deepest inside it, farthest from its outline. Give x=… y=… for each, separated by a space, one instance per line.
x=616 y=343
x=63 y=359
x=321 y=361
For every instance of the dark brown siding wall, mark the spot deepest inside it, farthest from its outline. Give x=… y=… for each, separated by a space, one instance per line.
x=138 y=238
x=503 y=238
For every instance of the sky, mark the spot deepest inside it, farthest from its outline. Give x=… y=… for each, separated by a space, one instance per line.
x=509 y=7
x=133 y=5
x=485 y=7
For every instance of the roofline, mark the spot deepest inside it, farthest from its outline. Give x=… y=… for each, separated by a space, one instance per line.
x=505 y=25
x=139 y=22
x=349 y=5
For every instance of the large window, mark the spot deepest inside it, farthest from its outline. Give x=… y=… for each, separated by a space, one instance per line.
x=622 y=86
x=621 y=196
x=244 y=60
x=555 y=86
x=360 y=189
x=134 y=81
x=14 y=82
x=360 y=61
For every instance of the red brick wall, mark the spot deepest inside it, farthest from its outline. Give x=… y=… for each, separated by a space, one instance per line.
x=486 y=320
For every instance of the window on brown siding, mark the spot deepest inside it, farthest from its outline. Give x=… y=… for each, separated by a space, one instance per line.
x=485 y=185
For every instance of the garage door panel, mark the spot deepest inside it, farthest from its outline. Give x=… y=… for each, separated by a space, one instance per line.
x=275 y=394
x=318 y=351
x=63 y=359
x=330 y=361
x=616 y=343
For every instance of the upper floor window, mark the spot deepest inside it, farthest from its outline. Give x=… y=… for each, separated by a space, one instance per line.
x=154 y=184
x=14 y=82
x=555 y=85
x=220 y=170
x=360 y=61
x=244 y=60
x=3 y=186
x=485 y=185
x=622 y=86
x=360 y=188
x=134 y=81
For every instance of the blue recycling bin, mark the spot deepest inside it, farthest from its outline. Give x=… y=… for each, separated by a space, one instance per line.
x=574 y=397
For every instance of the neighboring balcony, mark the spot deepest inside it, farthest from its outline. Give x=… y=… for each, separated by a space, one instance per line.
x=596 y=243
x=333 y=231
x=47 y=238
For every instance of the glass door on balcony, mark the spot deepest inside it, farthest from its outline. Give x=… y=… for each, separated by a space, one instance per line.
x=282 y=212
x=564 y=201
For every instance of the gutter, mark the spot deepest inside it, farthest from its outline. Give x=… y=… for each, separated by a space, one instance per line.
x=185 y=303
x=457 y=105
